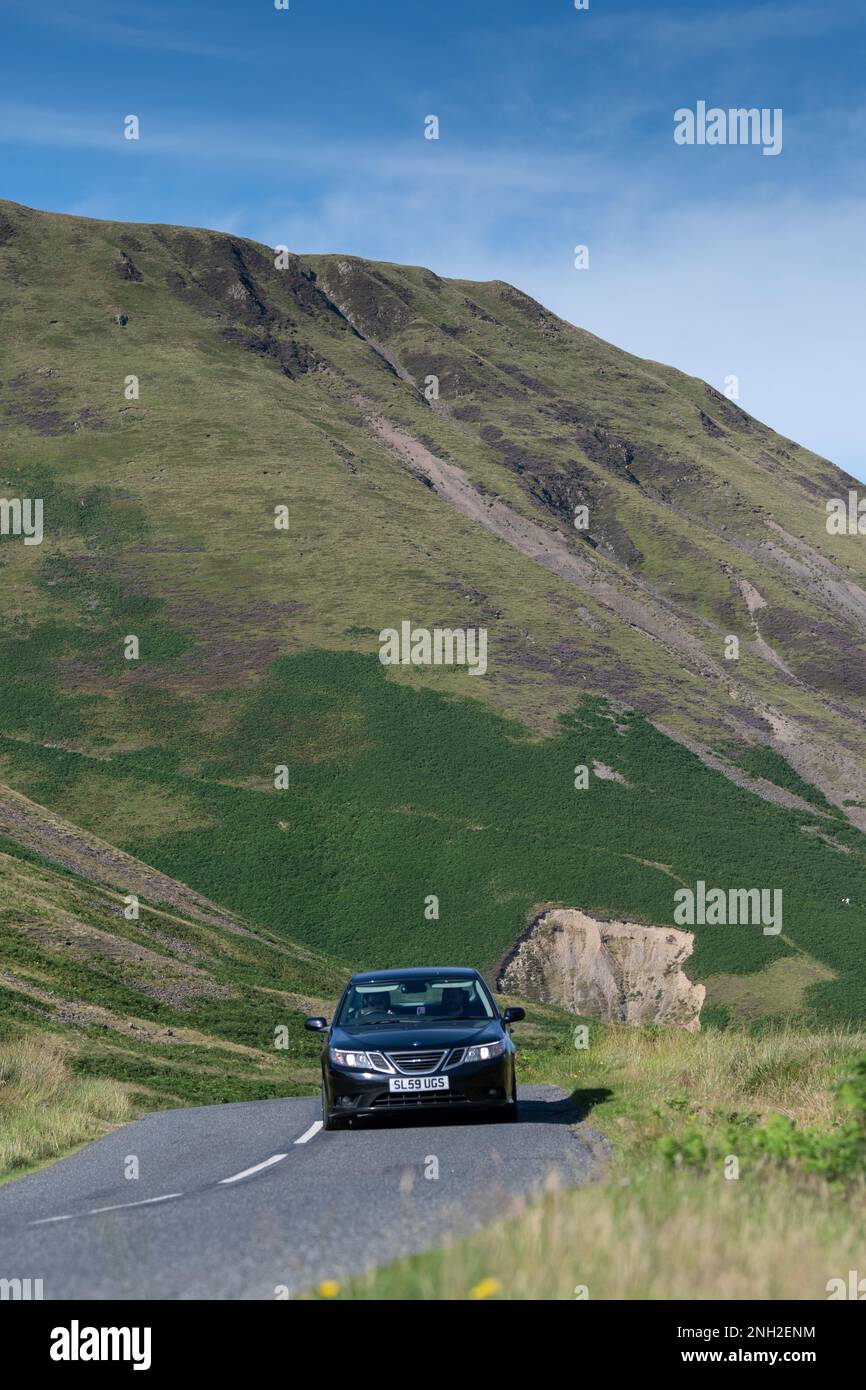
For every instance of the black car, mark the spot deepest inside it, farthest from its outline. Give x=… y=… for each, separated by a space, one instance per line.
x=406 y=1040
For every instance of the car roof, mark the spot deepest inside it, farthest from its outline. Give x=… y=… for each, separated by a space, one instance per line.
x=433 y=972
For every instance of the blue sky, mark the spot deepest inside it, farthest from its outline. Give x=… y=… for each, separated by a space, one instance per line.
x=306 y=127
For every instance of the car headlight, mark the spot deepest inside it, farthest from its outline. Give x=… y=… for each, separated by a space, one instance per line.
x=484 y=1052
x=358 y=1060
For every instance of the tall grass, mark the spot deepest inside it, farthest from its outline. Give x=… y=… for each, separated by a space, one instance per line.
x=786 y=1070
x=45 y=1109
x=686 y=1238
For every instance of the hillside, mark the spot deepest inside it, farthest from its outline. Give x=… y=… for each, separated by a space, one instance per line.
x=304 y=387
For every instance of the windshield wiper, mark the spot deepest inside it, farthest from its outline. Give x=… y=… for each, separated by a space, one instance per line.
x=428 y=1019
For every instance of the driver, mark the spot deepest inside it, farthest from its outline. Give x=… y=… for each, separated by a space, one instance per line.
x=378 y=1003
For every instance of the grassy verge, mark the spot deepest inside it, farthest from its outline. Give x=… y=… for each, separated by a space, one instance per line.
x=45 y=1108
x=665 y=1221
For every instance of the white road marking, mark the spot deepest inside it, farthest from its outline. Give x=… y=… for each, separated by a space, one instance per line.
x=310 y=1133
x=145 y=1202
x=257 y=1168
x=95 y=1211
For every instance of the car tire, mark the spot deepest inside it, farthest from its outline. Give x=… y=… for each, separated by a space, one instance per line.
x=512 y=1114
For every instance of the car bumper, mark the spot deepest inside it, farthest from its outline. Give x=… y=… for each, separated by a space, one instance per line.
x=485 y=1085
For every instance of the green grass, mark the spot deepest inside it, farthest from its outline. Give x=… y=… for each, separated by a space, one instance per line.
x=760 y=761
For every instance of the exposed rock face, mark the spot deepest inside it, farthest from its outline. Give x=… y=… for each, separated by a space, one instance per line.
x=616 y=971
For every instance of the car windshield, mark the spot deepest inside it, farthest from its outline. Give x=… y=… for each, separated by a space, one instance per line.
x=415 y=1000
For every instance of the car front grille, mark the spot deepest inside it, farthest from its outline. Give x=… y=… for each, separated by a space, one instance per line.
x=417 y=1063
x=419 y=1098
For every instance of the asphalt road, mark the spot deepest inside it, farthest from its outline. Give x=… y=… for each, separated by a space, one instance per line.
x=240 y=1201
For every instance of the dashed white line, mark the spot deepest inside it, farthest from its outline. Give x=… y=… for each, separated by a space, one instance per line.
x=145 y=1202
x=96 y=1211
x=310 y=1133
x=150 y=1201
x=257 y=1168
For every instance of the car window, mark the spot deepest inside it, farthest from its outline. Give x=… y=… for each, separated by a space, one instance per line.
x=411 y=1000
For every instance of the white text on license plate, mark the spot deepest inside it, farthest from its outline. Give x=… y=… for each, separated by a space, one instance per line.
x=419 y=1083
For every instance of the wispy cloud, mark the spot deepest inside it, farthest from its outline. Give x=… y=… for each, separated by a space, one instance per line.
x=164 y=33
x=653 y=35
x=682 y=36
x=387 y=160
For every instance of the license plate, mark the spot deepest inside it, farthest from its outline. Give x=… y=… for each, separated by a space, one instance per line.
x=419 y=1083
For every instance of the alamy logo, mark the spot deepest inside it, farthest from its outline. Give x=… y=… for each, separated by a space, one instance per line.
x=20 y=1290
x=77 y=1343
x=738 y=126
x=847 y=520
x=854 y=1289
x=443 y=646
x=714 y=907
x=22 y=516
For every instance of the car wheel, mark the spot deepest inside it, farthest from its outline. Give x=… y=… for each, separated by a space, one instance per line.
x=512 y=1114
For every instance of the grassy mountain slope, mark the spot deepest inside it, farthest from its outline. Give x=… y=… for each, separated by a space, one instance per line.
x=304 y=386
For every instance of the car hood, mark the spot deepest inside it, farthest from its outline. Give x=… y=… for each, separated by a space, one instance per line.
x=417 y=1036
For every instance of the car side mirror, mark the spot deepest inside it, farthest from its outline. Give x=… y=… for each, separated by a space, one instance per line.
x=514 y=1015
x=315 y=1025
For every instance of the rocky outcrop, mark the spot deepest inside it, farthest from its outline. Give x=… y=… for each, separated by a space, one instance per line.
x=616 y=971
